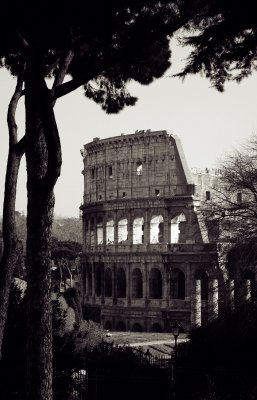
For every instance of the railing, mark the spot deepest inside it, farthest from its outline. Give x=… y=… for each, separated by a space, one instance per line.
x=99 y=378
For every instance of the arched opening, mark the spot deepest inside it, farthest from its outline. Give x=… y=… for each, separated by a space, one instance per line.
x=122 y=230
x=203 y=276
x=137 y=328
x=110 y=231
x=89 y=281
x=99 y=230
x=177 y=284
x=139 y=167
x=156 y=328
x=138 y=230
x=137 y=284
x=108 y=282
x=98 y=281
x=156 y=229
x=121 y=327
x=121 y=283
x=108 y=326
x=175 y=227
x=155 y=284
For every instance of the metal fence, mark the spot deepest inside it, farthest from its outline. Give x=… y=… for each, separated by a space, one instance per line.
x=147 y=376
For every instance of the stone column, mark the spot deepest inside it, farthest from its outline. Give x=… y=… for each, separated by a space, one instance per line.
x=213 y=299
x=231 y=293
x=130 y=228
x=187 y=281
x=196 y=303
x=101 y=265
x=104 y=231
x=115 y=230
x=146 y=284
x=146 y=228
x=95 y=231
x=114 y=286
x=169 y=230
x=128 y=275
x=166 y=296
x=166 y=237
x=89 y=231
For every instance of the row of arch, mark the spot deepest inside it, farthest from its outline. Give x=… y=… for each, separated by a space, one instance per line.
x=99 y=232
x=136 y=327
x=108 y=285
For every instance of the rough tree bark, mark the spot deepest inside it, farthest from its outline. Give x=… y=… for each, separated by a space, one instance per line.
x=43 y=156
x=12 y=246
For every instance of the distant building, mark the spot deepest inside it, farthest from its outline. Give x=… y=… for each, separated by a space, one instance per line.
x=148 y=259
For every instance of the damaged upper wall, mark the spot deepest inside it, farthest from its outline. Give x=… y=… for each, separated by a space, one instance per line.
x=142 y=165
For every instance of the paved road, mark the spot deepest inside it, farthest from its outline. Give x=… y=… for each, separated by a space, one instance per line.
x=151 y=343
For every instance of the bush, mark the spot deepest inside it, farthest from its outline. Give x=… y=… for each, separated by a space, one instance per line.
x=222 y=354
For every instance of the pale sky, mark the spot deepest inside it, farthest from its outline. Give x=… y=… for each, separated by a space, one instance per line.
x=208 y=123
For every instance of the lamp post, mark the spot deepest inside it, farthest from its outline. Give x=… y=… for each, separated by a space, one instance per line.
x=175 y=332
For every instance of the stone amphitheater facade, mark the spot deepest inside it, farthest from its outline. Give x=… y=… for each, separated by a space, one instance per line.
x=147 y=259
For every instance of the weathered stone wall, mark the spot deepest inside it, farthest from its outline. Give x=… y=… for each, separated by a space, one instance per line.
x=146 y=258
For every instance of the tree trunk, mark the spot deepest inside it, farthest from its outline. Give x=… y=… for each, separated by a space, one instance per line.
x=12 y=246
x=43 y=156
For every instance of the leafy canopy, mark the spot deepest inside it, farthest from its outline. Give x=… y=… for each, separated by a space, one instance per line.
x=224 y=41
x=111 y=42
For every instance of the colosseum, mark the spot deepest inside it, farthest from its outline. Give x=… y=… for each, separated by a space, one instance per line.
x=148 y=259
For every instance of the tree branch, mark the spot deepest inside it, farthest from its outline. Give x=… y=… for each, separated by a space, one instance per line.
x=11 y=243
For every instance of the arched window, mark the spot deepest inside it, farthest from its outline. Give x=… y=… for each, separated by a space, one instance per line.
x=138 y=231
x=156 y=229
x=156 y=328
x=108 y=282
x=137 y=284
x=122 y=230
x=177 y=284
x=121 y=283
x=137 y=328
x=89 y=281
x=108 y=326
x=121 y=327
x=155 y=284
x=98 y=281
x=174 y=229
x=139 y=168
x=99 y=230
x=110 y=231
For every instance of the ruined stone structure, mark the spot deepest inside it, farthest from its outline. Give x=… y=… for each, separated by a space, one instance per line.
x=147 y=259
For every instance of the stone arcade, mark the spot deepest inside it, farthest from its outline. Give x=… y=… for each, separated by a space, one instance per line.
x=147 y=259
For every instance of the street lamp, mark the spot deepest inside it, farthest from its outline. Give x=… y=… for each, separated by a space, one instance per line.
x=175 y=332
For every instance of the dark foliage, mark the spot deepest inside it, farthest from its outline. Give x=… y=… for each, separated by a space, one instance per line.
x=124 y=372
x=13 y=362
x=224 y=41
x=65 y=249
x=221 y=355
x=114 y=372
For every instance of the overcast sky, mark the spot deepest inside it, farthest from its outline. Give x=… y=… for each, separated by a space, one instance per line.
x=208 y=123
